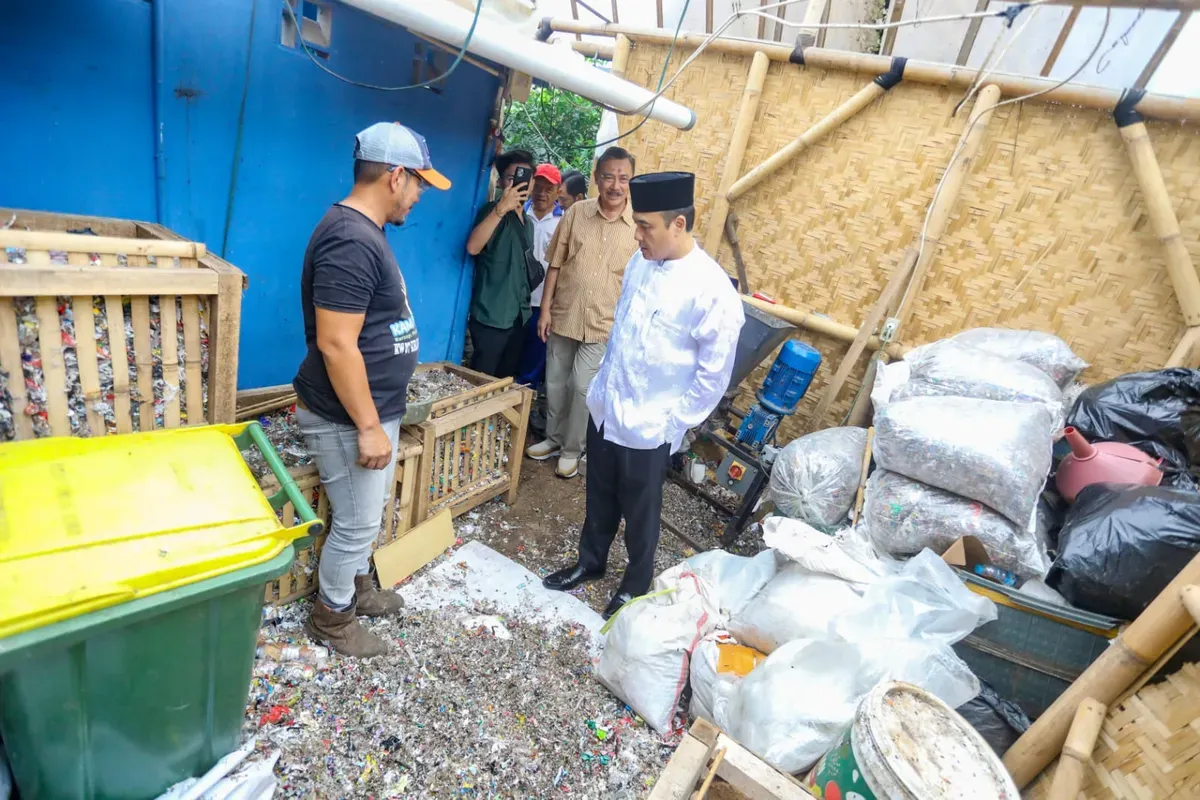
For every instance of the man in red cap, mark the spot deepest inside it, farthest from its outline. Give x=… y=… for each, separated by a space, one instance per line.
x=543 y=211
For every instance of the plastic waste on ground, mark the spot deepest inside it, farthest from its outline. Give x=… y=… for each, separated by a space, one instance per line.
x=1000 y=722
x=995 y=452
x=903 y=516
x=1103 y=462
x=1121 y=545
x=230 y=779
x=733 y=579
x=647 y=650
x=1146 y=410
x=815 y=477
x=794 y=706
x=950 y=369
x=1045 y=351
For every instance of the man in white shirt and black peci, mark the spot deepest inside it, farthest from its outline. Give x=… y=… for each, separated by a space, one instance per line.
x=668 y=362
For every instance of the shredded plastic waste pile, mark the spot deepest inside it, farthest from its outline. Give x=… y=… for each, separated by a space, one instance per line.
x=466 y=705
x=435 y=384
x=28 y=333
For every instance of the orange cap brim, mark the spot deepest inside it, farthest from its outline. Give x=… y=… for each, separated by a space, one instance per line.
x=434 y=178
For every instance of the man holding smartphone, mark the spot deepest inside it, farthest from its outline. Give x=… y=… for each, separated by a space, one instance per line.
x=500 y=298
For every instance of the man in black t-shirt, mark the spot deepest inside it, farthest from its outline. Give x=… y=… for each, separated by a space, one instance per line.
x=352 y=385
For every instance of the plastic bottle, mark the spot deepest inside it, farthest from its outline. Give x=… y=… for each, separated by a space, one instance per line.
x=307 y=654
x=997 y=574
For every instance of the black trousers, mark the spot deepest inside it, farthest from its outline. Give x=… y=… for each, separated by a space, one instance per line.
x=623 y=482
x=496 y=351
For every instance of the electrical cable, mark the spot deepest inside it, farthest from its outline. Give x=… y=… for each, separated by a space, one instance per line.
x=989 y=66
x=423 y=84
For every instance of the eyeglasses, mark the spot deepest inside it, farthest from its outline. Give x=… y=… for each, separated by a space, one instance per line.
x=422 y=184
x=609 y=178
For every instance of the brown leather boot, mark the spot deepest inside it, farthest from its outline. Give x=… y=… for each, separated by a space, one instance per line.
x=372 y=602
x=341 y=631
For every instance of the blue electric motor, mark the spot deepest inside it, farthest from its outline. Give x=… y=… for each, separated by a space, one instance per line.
x=781 y=392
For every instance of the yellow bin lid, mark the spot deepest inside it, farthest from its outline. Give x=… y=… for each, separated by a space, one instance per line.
x=89 y=523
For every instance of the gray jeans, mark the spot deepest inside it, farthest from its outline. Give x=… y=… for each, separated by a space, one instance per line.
x=570 y=367
x=356 y=498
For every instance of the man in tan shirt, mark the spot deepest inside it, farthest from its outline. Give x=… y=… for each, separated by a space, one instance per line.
x=587 y=258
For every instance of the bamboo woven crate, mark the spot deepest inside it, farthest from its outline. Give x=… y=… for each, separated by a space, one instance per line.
x=1149 y=746
x=472 y=444
x=69 y=285
x=397 y=519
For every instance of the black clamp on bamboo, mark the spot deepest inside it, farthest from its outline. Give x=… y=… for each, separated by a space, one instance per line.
x=797 y=56
x=1125 y=112
x=544 y=30
x=887 y=80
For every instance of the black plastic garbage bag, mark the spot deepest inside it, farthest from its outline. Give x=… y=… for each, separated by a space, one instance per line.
x=1145 y=409
x=1001 y=722
x=1121 y=545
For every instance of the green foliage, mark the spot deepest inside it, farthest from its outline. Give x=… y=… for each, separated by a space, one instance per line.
x=556 y=126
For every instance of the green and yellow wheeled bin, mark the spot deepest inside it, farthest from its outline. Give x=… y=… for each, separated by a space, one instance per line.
x=131 y=575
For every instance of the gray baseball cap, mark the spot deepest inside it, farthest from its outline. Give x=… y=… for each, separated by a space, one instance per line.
x=398 y=146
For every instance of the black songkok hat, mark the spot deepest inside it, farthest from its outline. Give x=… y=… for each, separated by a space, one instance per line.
x=662 y=191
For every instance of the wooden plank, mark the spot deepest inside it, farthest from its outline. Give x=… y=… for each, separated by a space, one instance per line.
x=53 y=221
x=28 y=280
x=169 y=337
x=425 y=480
x=755 y=778
x=455 y=468
x=889 y=36
x=658 y=13
x=143 y=360
x=1063 y=35
x=225 y=315
x=476 y=411
x=708 y=16
x=679 y=777
x=575 y=15
x=1163 y=48
x=54 y=370
x=396 y=561
x=968 y=44
x=615 y=15
x=84 y=243
x=10 y=362
x=193 y=357
x=762 y=22
x=114 y=312
x=479 y=496
x=89 y=368
x=516 y=450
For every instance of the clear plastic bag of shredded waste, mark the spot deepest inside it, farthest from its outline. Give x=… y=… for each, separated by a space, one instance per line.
x=1045 y=351
x=815 y=478
x=995 y=452
x=903 y=517
x=949 y=369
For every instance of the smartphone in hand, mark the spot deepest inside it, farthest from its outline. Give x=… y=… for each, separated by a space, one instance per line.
x=522 y=175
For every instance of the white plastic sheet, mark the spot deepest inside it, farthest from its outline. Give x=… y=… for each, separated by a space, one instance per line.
x=1045 y=351
x=888 y=379
x=815 y=477
x=712 y=691
x=231 y=778
x=951 y=369
x=646 y=654
x=796 y=604
x=844 y=555
x=733 y=580
x=925 y=601
x=995 y=452
x=903 y=517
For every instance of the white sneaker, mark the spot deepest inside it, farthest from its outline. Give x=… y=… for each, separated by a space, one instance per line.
x=567 y=467
x=543 y=450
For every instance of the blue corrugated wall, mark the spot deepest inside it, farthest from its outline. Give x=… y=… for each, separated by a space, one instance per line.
x=195 y=115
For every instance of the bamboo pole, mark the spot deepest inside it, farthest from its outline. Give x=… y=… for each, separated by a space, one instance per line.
x=737 y=151
x=947 y=198
x=1155 y=630
x=819 y=324
x=594 y=50
x=620 y=55
x=890 y=292
x=1081 y=741
x=736 y=247
x=1152 y=105
x=1162 y=217
x=1184 y=353
x=814 y=134
x=813 y=13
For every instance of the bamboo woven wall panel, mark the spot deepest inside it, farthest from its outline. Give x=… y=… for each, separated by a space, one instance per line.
x=1050 y=232
x=1149 y=746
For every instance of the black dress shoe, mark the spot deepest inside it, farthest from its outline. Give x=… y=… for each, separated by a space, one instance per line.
x=567 y=579
x=615 y=605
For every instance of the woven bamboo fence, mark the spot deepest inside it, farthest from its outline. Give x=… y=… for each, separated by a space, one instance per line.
x=1050 y=231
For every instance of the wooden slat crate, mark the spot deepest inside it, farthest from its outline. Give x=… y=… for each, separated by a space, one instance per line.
x=473 y=444
x=398 y=519
x=1148 y=749
x=82 y=306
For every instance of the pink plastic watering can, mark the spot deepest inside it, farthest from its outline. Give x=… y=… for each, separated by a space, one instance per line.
x=1103 y=462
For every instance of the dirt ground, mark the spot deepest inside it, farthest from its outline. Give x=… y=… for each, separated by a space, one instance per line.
x=541 y=529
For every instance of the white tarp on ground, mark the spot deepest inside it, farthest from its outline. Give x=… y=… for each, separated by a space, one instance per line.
x=477 y=574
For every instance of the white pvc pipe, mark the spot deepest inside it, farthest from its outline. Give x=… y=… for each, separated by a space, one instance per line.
x=449 y=23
